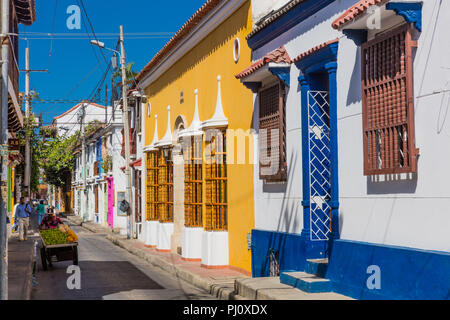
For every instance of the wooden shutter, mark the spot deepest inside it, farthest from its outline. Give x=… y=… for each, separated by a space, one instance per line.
x=388 y=106
x=165 y=189
x=96 y=198
x=216 y=201
x=193 y=182
x=272 y=116
x=152 y=187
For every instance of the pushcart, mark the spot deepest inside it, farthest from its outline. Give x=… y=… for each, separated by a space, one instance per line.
x=61 y=252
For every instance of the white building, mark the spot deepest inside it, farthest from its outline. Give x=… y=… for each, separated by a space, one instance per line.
x=361 y=93
x=105 y=181
x=69 y=122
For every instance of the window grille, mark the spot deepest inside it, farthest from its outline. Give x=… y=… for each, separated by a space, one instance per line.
x=193 y=182
x=216 y=184
x=272 y=117
x=151 y=213
x=165 y=188
x=96 y=198
x=388 y=107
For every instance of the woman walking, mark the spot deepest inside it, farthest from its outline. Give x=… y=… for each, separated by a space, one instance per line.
x=41 y=211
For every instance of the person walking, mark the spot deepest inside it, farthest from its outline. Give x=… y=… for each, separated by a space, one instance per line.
x=41 y=211
x=23 y=212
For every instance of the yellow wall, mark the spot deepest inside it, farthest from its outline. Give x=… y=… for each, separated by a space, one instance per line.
x=198 y=69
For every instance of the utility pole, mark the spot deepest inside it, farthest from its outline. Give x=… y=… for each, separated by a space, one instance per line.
x=28 y=125
x=83 y=155
x=126 y=127
x=4 y=142
x=27 y=181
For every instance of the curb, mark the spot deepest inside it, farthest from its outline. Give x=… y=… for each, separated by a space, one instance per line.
x=222 y=289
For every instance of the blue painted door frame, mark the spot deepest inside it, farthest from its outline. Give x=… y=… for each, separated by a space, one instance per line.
x=321 y=62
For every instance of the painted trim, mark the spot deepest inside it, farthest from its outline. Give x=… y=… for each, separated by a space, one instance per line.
x=405 y=273
x=208 y=24
x=213 y=267
x=280 y=70
x=323 y=59
x=191 y=260
x=292 y=18
x=359 y=36
x=163 y=250
x=282 y=73
x=410 y=11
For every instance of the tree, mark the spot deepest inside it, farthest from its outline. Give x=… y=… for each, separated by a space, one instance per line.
x=130 y=74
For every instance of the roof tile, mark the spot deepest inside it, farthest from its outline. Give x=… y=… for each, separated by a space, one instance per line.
x=356 y=10
x=279 y=55
x=315 y=49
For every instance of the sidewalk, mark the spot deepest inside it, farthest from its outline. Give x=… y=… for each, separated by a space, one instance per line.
x=224 y=284
x=20 y=266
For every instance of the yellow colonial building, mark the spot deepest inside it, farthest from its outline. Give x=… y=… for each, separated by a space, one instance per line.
x=198 y=140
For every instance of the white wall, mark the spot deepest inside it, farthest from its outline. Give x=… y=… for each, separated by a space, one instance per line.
x=70 y=120
x=413 y=213
x=260 y=8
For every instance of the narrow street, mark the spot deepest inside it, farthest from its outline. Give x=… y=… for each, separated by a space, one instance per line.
x=109 y=273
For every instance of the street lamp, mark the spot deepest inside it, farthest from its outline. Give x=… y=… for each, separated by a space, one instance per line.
x=114 y=57
x=126 y=125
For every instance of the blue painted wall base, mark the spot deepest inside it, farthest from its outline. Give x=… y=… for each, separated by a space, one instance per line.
x=291 y=250
x=406 y=273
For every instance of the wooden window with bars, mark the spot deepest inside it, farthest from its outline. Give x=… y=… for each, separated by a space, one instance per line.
x=216 y=200
x=151 y=213
x=165 y=188
x=388 y=106
x=96 y=198
x=272 y=119
x=193 y=182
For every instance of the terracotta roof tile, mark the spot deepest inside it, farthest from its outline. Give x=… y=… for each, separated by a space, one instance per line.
x=188 y=26
x=76 y=106
x=315 y=49
x=279 y=55
x=356 y=10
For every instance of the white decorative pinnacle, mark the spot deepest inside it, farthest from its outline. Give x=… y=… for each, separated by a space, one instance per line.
x=195 y=127
x=219 y=119
x=152 y=146
x=167 y=139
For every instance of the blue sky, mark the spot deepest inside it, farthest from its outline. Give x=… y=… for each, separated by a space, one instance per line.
x=75 y=66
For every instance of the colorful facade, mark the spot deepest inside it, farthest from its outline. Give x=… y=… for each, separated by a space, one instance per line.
x=198 y=189
x=357 y=102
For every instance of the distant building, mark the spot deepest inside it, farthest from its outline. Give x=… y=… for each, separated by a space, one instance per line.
x=67 y=124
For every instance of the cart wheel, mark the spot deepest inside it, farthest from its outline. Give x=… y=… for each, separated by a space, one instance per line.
x=75 y=256
x=44 y=259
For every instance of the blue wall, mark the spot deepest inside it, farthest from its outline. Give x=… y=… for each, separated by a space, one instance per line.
x=406 y=273
x=291 y=248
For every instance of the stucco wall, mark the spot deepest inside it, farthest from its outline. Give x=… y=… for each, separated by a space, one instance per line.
x=198 y=69
x=408 y=212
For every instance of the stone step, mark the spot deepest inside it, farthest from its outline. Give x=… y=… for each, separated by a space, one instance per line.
x=305 y=282
x=317 y=267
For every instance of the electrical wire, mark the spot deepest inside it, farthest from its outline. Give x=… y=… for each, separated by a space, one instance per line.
x=51 y=39
x=92 y=28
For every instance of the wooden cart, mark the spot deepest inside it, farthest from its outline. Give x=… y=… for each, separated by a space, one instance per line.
x=62 y=252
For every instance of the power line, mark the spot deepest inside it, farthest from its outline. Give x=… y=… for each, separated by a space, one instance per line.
x=53 y=30
x=92 y=28
x=102 y=38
